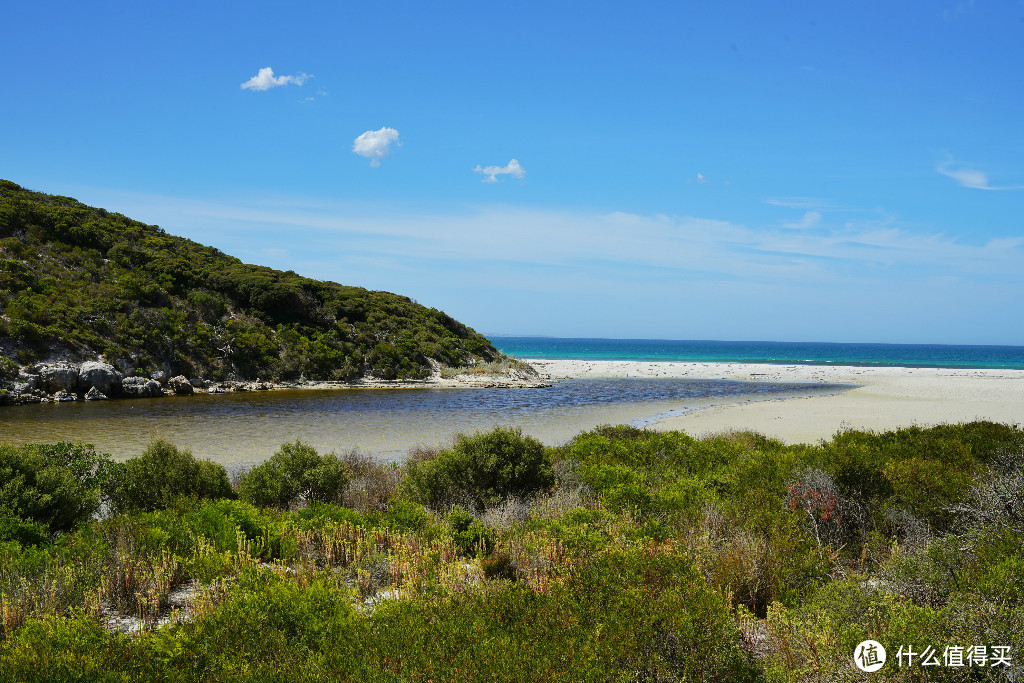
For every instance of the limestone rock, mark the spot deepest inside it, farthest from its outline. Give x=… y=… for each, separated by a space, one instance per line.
x=180 y=385
x=140 y=387
x=32 y=381
x=100 y=376
x=95 y=394
x=63 y=396
x=59 y=376
x=159 y=376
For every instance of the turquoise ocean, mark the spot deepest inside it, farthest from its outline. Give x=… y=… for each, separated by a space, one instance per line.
x=783 y=353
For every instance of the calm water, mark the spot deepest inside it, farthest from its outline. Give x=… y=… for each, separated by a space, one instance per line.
x=248 y=427
x=810 y=353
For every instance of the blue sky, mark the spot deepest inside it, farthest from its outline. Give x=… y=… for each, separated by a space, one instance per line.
x=738 y=170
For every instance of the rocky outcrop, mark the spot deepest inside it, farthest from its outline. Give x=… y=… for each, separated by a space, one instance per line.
x=140 y=387
x=58 y=377
x=27 y=382
x=95 y=394
x=180 y=385
x=100 y=376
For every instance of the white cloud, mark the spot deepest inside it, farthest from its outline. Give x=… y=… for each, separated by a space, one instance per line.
x=491 y=173
x=810 y=220
x=265 y=80
x=876 y=276
x=376 y=144
x=969 y=177
x=965 y=176
x=702 y=179
x=797 y=202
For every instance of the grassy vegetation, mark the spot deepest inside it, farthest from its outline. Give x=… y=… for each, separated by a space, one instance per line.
x=87 y=282
x=625 y=555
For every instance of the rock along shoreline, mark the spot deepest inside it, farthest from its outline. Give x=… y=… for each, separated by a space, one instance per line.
x=64 y=381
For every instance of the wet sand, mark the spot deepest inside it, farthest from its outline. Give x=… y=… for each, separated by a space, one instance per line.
x=885 y=398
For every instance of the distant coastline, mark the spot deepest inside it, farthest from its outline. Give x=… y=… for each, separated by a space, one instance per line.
x=772 y=353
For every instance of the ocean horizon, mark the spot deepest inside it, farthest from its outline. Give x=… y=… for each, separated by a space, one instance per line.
x=776 y=353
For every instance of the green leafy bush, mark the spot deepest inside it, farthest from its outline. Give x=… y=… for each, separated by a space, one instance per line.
x=296 y=471
x=469 y=533
x=222 y=521
x=404 y=515
x=482 y=470
x=52 y=487
x=620 y=487
x=317 y=514
x=161 y=475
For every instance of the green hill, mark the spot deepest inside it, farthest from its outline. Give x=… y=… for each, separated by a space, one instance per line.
x=78 y=282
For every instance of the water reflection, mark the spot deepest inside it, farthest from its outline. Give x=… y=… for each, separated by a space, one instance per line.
x=244 y=428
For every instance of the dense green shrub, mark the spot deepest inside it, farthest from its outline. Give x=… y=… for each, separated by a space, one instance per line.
x=48 y=487
x=581 y=531
x=317 y=514
x=726 y=569
x=13 y=527
x=623 y=616
x=162 y=474
x=221 y=522
x=470 y=535
x=620 y=487
x=295 y=472
x=270 y=629
x=404 y=515
x=76 y=648
x=482 y=470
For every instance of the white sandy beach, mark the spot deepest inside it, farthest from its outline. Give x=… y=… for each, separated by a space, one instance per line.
x=886 y=398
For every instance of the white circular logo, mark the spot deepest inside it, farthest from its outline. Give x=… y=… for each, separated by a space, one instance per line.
x=869 y=655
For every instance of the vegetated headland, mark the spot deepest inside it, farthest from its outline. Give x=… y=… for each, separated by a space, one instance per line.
x=95 y=305
x=623 y=555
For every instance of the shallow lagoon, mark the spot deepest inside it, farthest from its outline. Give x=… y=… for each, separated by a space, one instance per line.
x=243 y=428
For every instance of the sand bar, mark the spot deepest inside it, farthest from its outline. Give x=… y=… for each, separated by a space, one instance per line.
x=886 y=397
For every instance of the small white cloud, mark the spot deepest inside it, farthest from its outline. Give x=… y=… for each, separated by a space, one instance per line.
x=810 y=219
x=969 y=177
x=702 y=179
x=797 y=202
x=265 y=80
x=491 y=173
x=375 y=144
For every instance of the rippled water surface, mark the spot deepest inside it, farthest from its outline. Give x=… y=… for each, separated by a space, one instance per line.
x=242 y=428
